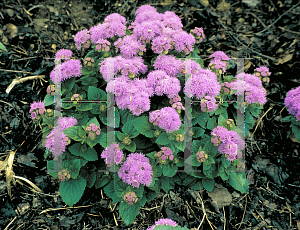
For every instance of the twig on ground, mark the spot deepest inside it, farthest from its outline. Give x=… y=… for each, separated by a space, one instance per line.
x=260 y=120
x=260 y=33
x=20 y=80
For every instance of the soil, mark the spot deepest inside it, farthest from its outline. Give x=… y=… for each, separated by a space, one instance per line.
x=267 y=32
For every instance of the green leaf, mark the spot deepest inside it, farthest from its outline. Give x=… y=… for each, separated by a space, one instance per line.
x=2 y=47
x=198 y=132
x=72 y=190
x=142 y=125
x=239 y=181
x=92 y=143
x=74 y=167
x=142 y=142
x=211 y=124
x=221 y=120
x=196 y=58
x=84 y=106
x=208 y=184
x=254 y=111
x=296 y=131
x=69 y=83
x=95 y=94
x=72 y=132
x=90 y=177
x=226 y=163
x=119 y=186
x=220 y=109
x=89 y=81
x=129 y=129
x=86 y=71
x=101 y=180
x=179 y=145
x=131 y=148
x=169 y=170
x=167 y=183
x=110 y=192
x=49 y=100
x=125 y=116
x=248 y=118
x=202 y=119
x=128 y=213
x=162 y=139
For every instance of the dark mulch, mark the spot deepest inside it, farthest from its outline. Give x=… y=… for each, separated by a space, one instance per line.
x=268 y=33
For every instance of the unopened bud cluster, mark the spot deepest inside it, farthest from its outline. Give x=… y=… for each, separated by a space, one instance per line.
x=176 y=104
x=93 y=130
x=49 y=112
x=263 y=73
x=226 y=88
x=126 y=140
x=76 y=97
x=229 y=123
x=103 y=45
x=201 y=156
x=179 y=138
x=198 y=33
x=165 y=154
x=208 y=104
x=36 y=109
x=130 y=198
x=156 y=133
x=88 y=62
x=51 y=90
x=215 y=140
x=103 y=108
x=64 y=175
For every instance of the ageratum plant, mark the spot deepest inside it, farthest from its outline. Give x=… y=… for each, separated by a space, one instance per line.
x=292 y=103
x=143 y=67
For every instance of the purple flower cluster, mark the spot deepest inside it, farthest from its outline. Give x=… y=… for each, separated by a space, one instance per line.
x=184 y=41
x=70 y=68
x=201 y=156
x=201 y=84
x=93 y=130
x=198 y=33
x=195 y=67
x=168 y=63
x=136 y=170
x=219 y=55
x=217 y=66
x=292 y=102
x=161 y=83
x=51 y=90
x=254 y=91
x=130 y=67
x=82 y=37
x=64 y=123
x=147 y=13
x=163 y=222
x=167 y=119
x=170 y=19
x=148 y=30
x=102 y=45
x=209 y=104
x=112 y=154
x=162 y=44
x=36 y=108
x=114 y=25
x=264 y=72
x=63 y=54
x=227 y=142
x=133 y=95
x=129 y=46
x=130 y=197
x=164 y=154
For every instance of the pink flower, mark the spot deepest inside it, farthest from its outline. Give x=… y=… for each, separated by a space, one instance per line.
x=171 y=157
x=163 y=157
x=98 y=132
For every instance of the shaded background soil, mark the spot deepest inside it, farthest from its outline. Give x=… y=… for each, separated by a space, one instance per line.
x=267 y=32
